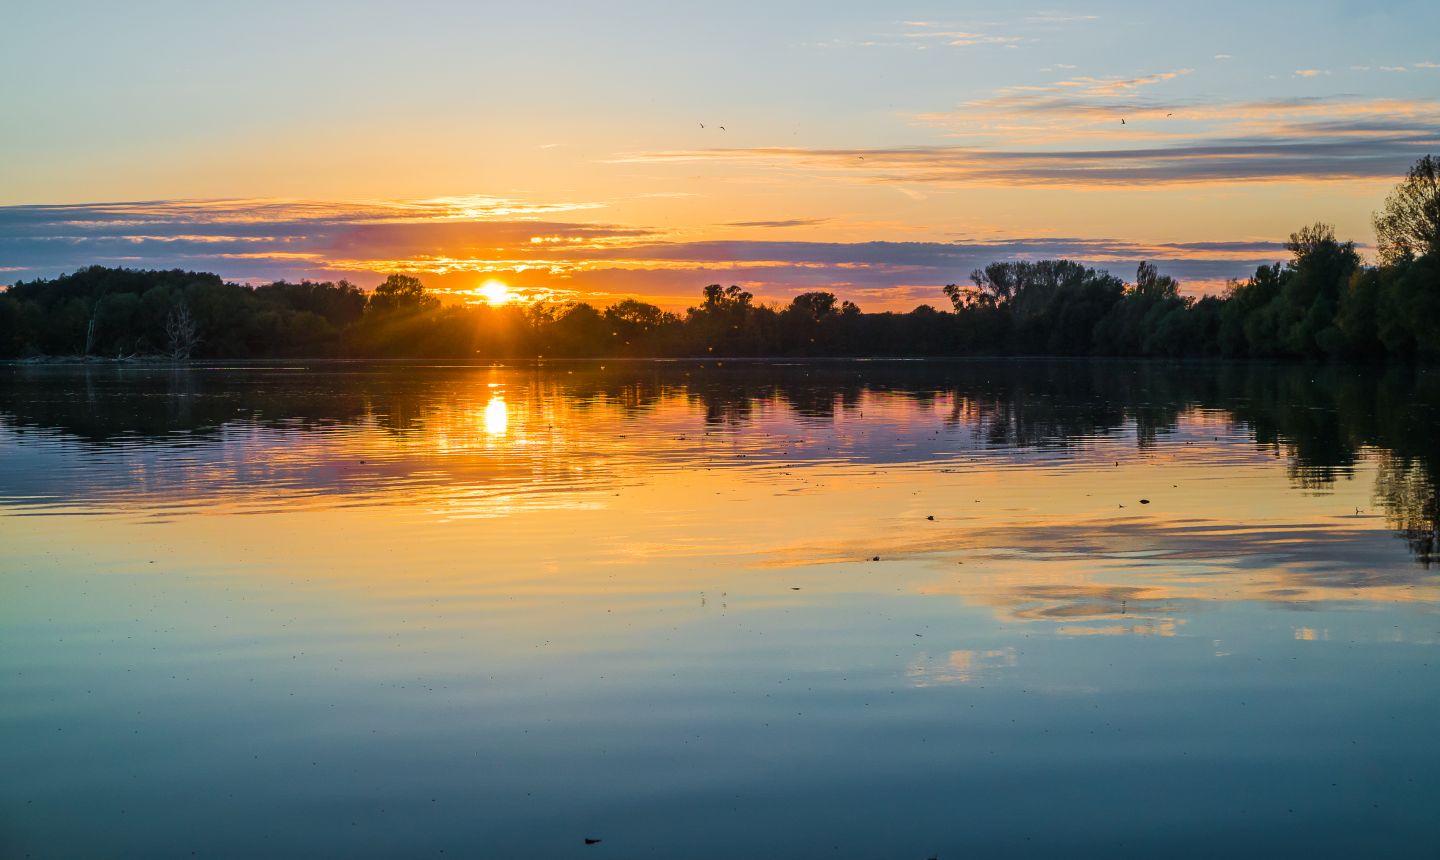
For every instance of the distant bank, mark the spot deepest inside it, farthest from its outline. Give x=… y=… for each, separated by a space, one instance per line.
x=1325 y=303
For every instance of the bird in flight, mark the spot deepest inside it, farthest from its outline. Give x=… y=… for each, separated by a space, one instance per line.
x=722 y=128
x=1122 y=122
x=702 y=125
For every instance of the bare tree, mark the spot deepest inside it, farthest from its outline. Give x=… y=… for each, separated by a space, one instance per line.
x=1409 y=226
x=90 y=333
x=182 y=332
x=90 y=327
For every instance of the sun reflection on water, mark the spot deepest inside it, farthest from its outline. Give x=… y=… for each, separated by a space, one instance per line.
x=497 y=416
x=895 y=588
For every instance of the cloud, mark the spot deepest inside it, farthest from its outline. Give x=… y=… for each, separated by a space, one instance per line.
x=1163 y=142
x=1059 y=18
x=956 y=38
x=920 y=34
x=263 y=240
x=1310 y=73
x=962 y=39
x=1398 y=69
x=268 y=211
x=1078 y=88
x=790 y=222
x=1336 y=151
x=1112 y=86
x=1033 y=116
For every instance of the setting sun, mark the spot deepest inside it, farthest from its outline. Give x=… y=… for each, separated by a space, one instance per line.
x=496 y=292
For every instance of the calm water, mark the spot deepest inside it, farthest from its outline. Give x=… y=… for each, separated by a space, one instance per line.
x=704 y=611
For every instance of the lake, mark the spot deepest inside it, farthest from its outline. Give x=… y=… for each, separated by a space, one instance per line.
x=719 y=609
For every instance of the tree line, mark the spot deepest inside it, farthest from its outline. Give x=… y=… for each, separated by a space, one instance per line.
x=1324 y=302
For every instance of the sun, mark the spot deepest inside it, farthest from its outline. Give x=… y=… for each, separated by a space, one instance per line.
x=496 y=292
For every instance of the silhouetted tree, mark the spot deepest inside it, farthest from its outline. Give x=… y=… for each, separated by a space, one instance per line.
x=401 y=293
x=814 y=306
x=1409 y=225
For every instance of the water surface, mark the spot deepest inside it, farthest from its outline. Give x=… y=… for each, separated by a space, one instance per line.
x=850 y=609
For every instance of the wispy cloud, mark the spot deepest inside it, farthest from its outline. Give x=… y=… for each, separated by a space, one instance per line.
x=1030 y=112
x=1012 y=32
x=1396 y=69
x=270 y=211
x=789 y=222
x=278 y=238
x=961 y=38
x=1331 y=151
x=1028 y=109
x=1087 y=131
x=1071 y=132
x=1059 y=18
x=1106 y=86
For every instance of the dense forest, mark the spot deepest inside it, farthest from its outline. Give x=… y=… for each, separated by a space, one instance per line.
x=1325 y=302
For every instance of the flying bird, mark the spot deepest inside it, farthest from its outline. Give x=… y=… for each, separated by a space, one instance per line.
x=722 y=128
x=1122 y=122
x=702 y=125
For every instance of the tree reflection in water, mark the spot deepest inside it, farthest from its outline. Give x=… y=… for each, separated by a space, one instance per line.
x=1322 y=420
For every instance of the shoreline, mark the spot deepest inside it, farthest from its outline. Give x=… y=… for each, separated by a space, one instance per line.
x=200 y=363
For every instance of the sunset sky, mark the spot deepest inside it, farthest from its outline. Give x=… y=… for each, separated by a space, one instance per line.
x=879 y=150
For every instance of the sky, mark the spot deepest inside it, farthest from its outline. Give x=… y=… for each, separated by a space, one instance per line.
x=602 y=150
